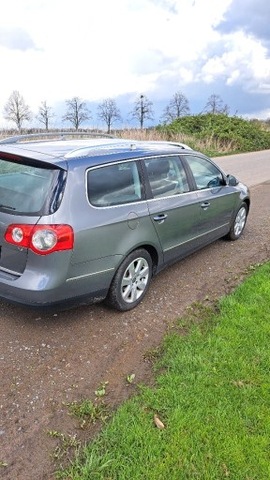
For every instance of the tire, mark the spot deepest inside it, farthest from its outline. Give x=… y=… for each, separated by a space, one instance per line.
x=239 y=223
x=131 y=281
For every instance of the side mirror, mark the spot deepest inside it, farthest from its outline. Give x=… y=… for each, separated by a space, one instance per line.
x=232 y=181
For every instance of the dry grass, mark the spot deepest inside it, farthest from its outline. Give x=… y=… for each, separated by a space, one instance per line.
x=151 y=134
x=209 y=146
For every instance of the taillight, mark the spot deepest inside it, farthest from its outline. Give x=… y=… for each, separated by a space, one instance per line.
x=42 y=239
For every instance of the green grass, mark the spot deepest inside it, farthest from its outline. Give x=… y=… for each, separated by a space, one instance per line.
x=88 y=412
x=213 y=395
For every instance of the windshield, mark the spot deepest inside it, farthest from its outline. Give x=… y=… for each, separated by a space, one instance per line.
x=26 y=189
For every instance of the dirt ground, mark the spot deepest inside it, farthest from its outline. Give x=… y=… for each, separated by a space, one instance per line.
x=51 y=359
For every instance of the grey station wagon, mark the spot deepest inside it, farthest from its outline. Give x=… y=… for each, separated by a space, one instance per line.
x=83 y=220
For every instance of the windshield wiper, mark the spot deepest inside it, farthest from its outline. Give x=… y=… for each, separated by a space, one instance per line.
x=8 y=207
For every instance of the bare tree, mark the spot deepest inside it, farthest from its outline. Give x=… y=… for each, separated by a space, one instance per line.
x=16 y=110
x=216 y=105
x=108 y=111
x=177 y=107
x=77 y=112
x=143 y=110
x=45 y=114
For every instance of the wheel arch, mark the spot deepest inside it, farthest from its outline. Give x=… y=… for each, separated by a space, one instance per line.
x=155 y=255
x=247 y=202
x=132 y=278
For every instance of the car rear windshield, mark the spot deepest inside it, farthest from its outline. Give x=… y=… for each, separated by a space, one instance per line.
x=27 y=189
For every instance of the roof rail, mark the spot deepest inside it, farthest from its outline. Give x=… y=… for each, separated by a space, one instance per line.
x=174 y=144
x=56 y=135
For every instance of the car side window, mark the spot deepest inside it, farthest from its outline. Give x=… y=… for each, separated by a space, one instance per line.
x=114 y=184
x=206 y=175
x=166 y=176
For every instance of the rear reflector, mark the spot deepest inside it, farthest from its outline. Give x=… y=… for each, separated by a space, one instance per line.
x=41 y=239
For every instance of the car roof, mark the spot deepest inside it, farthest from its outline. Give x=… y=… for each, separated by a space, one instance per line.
x=62 y=151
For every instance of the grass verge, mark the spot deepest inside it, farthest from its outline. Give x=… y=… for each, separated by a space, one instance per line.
x=212 y=395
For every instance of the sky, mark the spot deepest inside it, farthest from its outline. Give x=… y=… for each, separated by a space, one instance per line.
x=54 y=50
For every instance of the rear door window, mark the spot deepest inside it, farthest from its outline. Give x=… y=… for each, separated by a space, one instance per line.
x=27 y=189
x=114 y=185
x=166 y=176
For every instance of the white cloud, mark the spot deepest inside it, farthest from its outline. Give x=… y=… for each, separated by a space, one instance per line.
x=244 y=62
x=53 y=50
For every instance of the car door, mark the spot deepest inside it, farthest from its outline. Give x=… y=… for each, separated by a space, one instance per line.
x=115 y=219
x=216 y=200
x=172 y=206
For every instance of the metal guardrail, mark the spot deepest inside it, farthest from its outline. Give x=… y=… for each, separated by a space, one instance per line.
x=49 y=135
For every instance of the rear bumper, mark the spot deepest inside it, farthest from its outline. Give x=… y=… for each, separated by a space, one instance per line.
x=49 y=299
x=49 y=288
x=54 y=279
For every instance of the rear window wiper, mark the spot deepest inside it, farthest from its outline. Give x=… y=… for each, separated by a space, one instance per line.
x=8 y=207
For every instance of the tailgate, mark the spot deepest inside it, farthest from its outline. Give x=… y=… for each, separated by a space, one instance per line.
x=28 y=190
x=12 y=258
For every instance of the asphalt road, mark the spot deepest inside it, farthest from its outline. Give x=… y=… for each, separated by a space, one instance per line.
x=251 y=168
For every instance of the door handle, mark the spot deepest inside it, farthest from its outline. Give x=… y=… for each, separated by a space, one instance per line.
x=205 y=205
x=160 y=218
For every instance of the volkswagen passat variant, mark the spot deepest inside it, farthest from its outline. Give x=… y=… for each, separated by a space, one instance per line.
x=83 y=220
